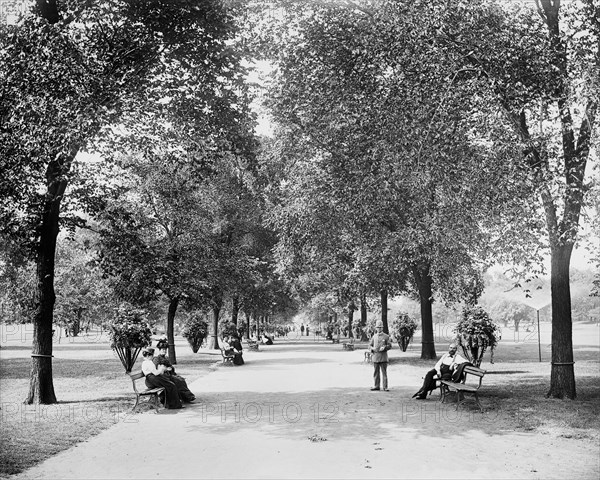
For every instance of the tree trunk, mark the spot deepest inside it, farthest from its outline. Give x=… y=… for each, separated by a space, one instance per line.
x=41 y=386
x=247 y=335
x=215 y=335
x=424 y=283
x=351 y=308
x=363 y=317
x=170 y=327
x=562 y=375
x=384 y=311
x=235 y=308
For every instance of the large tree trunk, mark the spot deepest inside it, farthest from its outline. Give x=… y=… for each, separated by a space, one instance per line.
x=351 y=308
x=247 y=334
x=424 y=286
x=216 y=308
x=235 y=309
x=170 y=327
x=363 y=317
x=41 y=386
x=384 y=311
x=562 y=376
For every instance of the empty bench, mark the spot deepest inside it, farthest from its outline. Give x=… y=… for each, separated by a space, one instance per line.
x=465 y=387
x=348 y=346
x=150 y=393
x=252 y=345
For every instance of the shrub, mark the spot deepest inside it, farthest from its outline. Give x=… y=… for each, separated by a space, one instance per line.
x=475 y=333
x=195 y=331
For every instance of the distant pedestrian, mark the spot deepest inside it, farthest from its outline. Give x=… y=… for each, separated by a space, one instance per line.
x=380 y=344
x=302 y=329
x=307 y=330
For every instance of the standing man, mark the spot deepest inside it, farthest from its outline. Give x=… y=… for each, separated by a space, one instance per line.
x=380 y=343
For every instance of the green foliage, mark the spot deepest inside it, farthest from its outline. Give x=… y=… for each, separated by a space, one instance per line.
x=475 y=332
x=228 y=328
x=129 y=328
x=403 y=325
x=195 y=330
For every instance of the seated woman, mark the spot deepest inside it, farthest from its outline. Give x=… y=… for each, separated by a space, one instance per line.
x=236 y=346
x=161 y=359
x=231 y=347
x=155 y=378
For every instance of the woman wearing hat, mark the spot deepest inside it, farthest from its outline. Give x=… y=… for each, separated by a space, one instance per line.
x=154 y=377
x=161 y=359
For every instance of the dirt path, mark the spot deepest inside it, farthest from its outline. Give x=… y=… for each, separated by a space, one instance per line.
x=305 y=411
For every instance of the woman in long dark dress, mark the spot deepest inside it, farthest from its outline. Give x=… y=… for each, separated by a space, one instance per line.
x=236 y=346
x=161 y=359
x=154 y=377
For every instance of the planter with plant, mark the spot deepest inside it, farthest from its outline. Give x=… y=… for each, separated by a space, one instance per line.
x=129 y=332
x=475 y=333
x=195 y=331
x=403 y=329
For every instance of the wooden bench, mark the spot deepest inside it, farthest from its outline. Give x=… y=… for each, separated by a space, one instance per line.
x=151 y=393
x=227 y=357
x=252 y=345
x=335 y=340
x=463 y=388
x=348 y=346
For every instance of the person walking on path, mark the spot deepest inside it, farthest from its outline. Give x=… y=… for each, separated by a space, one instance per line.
x=380 y=344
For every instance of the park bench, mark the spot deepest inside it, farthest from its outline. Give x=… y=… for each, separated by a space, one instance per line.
x=150 y=393
x=227 y=357
x=252 y=345
x=348 y=346
x=335 y=340
x=463 y=388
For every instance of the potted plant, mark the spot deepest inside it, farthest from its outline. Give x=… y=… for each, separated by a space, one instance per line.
x=129 y=332
x=195 y=331
x=404 y=327
x=475 y=333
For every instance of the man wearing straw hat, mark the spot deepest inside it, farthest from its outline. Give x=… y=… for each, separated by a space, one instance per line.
x=380 y=343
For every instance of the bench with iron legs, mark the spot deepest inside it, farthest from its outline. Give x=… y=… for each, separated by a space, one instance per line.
x=462 y=388
x=252 y=345
x=152 y=394
x=227 y=357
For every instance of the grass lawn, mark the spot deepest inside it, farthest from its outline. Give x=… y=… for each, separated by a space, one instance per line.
x=94 y=392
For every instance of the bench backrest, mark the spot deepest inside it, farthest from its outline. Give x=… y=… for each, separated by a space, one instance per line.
x=134 y=377
x=478 y=372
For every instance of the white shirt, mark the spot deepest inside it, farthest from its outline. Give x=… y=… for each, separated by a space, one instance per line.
x=148 y=367
x=450 y=361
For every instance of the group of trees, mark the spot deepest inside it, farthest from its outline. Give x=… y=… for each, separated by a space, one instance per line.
x=426 y=140
x=158 y=91
x=415 y=143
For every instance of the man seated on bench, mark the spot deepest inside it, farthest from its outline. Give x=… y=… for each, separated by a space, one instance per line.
x=444 y=369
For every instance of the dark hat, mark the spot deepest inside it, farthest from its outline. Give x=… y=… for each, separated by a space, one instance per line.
x=162 y=343
x=148 y=351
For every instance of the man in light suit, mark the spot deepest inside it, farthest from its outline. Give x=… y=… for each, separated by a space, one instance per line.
x=380 y=344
